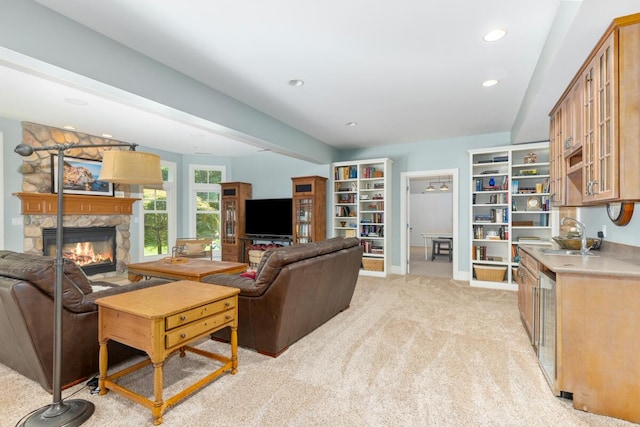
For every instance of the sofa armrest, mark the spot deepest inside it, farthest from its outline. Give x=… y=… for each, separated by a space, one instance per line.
x=247 y=286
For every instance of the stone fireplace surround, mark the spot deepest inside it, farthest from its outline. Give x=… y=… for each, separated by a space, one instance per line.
x=36 y=178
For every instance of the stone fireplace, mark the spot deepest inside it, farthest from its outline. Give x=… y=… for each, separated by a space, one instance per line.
x=92 y=248
x=83 y=211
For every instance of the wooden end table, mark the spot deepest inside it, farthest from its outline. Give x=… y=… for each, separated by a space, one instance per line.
x=183 y=268
x=162 y=320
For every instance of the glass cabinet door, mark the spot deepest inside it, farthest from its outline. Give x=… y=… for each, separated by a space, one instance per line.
x=304 y=225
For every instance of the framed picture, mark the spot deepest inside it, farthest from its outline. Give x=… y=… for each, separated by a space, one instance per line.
x=80 y=176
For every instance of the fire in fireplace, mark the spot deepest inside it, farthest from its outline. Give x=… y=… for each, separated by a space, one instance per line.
x=92 y=248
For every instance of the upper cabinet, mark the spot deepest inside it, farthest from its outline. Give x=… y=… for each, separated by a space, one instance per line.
x=594 y=127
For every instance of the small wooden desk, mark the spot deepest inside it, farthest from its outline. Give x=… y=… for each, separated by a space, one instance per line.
x=429 y=236
x=162 y=320
x=182 y=268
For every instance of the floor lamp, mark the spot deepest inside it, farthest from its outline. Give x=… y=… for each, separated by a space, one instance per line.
x=120 y=167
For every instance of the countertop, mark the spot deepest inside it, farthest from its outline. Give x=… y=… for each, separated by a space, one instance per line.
x=605 y=263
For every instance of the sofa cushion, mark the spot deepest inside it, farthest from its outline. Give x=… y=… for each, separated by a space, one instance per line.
x=194 y=248
x=251 y=274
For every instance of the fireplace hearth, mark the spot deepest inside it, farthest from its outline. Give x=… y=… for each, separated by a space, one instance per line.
x=92 y=248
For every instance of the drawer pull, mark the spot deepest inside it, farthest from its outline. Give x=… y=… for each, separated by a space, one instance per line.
x=183 y=335
x=227 y=304
x=183 y=317
x=227 y=317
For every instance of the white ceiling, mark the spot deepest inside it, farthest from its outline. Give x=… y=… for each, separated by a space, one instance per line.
x=405 y=71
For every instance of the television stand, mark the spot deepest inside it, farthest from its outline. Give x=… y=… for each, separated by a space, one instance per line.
x=253 y=239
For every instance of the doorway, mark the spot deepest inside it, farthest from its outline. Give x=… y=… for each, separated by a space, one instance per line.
x=429 y=208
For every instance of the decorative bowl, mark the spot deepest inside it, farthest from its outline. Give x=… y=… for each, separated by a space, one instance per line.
x=574 y=242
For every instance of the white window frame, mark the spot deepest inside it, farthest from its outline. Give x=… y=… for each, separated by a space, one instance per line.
x=170 y=187
x=194 y=188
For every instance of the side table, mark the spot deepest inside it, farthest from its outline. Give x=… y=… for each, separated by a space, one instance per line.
x=162 y=320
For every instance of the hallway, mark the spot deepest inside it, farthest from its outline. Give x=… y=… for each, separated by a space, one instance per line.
x=440 y=267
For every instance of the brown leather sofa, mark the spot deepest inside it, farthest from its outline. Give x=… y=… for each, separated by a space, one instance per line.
x=26 y=319
x=296 y=289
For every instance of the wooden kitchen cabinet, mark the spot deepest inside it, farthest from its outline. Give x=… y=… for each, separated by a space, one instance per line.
x=528 y=278
x=600 y=151
x=595 y=123
x=556 y=157
x=598 y=343
x=597 y=329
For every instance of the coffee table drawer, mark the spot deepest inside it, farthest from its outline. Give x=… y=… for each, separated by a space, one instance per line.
x=193 y=330
x=194 y=314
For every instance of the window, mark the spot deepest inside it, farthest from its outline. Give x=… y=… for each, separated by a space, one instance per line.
x=204 y=218
x=158 y=215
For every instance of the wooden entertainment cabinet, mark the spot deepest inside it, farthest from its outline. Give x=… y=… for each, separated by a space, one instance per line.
x=309 y=209
x=234 y=194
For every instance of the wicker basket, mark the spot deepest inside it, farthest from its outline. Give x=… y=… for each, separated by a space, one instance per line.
x=373 y=264
x=490 y=273
x=255 y=256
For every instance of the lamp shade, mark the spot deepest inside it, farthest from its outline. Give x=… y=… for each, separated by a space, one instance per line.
x=130 y=167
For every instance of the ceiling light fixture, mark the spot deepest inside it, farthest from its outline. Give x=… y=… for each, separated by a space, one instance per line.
x=443 y=187
x=351 y=124
x=494 y=35
x=68 y=127
x=107 y=135
x=296 y=82
x=489 y=83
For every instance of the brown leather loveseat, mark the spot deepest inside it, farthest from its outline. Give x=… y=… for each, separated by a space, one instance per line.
x=26 y=319
x=296 y=289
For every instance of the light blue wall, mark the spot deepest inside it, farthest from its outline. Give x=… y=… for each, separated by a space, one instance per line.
x=270 y=174
x=12 y=136
x=594 y=217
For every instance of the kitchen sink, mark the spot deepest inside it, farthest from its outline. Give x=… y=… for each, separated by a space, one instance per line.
x=570 y=252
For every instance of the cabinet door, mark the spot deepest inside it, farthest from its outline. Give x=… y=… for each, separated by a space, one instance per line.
x=527 y=300
x=601 y=149
x=556 y=147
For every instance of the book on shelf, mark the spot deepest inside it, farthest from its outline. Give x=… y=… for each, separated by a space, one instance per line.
x=527 y=238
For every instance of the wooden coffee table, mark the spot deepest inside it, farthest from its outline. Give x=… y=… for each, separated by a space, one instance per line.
x=162 y=320
x=182 y=268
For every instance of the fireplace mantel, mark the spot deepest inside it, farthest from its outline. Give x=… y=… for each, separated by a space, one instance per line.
x=47 y=204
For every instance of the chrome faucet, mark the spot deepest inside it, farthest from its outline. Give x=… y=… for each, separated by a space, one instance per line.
x=584 y=250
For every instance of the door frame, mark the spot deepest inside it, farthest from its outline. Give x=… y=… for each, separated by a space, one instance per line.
x=405 y=178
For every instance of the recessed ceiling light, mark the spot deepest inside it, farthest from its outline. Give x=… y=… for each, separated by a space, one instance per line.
x=494 y=35
x=76 y=101
x=352 y=124
x=296 y=82
x=489 y=83
x=107 y=135
x=68 y=127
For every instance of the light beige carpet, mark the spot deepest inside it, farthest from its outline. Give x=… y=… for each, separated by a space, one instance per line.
x=410 y=351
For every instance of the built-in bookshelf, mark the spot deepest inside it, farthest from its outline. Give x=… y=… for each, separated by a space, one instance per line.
x=361 y=196
x=510 y=205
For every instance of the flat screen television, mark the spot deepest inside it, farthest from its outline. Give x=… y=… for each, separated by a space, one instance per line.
x=269 y=217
